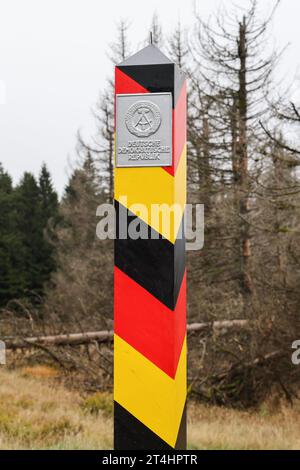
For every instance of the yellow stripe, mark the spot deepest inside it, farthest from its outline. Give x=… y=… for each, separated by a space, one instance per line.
x=148 y=393
x=149 y=186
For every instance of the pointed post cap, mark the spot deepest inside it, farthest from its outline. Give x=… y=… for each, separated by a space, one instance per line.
x=149 y=55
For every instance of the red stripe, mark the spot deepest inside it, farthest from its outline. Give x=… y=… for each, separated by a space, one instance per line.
x=179 y=130
x=148 y=325
x=125 y=84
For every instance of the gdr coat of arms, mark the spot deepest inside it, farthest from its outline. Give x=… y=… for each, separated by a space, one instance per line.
x=143 y=118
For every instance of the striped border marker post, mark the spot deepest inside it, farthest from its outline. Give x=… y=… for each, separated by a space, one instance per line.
x=150 y=275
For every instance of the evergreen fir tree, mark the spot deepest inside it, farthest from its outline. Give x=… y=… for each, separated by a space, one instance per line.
x=36 y=203
x=29 y=225
x=49 y=217
x=48 y=196
x=11 y=281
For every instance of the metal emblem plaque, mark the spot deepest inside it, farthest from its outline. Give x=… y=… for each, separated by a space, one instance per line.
x=144 y=130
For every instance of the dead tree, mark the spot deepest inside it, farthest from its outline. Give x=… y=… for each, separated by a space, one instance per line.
x=235 y=74
x=102 y=144
x=178 y=48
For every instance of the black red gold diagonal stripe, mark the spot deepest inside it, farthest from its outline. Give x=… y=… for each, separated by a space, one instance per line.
x=150 y=277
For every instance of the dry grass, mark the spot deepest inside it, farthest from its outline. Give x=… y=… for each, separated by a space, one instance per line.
x=42 y=371
x=36 y=413
x=265 y=429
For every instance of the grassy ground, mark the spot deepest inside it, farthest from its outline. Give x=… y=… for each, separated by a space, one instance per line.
x=36 y=413
x=218 y=428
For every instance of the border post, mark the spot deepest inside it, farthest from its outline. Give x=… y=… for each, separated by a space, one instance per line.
x=150 y=275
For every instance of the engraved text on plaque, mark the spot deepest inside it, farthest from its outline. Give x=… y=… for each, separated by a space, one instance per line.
x=144 y=130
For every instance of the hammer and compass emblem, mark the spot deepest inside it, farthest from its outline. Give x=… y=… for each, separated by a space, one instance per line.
x=143 y=118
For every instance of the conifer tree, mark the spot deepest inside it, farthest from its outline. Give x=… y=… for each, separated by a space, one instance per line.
x=48 y=219
x=11 y=279
x=35 y=203
x=29 y=226
x=48 y=196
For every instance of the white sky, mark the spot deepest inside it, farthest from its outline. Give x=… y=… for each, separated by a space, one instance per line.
x=53 y=63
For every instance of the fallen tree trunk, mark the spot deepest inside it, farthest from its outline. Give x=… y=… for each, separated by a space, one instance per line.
x=218 y=325
x=60 y=340
x=107 y=336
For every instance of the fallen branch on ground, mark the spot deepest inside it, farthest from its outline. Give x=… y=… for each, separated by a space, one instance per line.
x=219 y=326
x=107 y=336
x=60 y=340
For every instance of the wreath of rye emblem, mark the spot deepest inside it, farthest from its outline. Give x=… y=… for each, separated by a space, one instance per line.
x=143 y=118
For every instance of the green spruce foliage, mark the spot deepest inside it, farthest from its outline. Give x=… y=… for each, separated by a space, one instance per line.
x=27 y=213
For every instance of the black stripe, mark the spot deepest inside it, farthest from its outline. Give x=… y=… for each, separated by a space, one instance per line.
x=157 y=78
x=131 y=434
x=181 y=443
x=156 y=264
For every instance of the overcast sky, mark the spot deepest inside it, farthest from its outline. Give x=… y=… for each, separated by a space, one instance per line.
x=53 y=64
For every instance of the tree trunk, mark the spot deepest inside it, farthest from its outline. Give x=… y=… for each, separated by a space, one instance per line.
x=242 y=149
